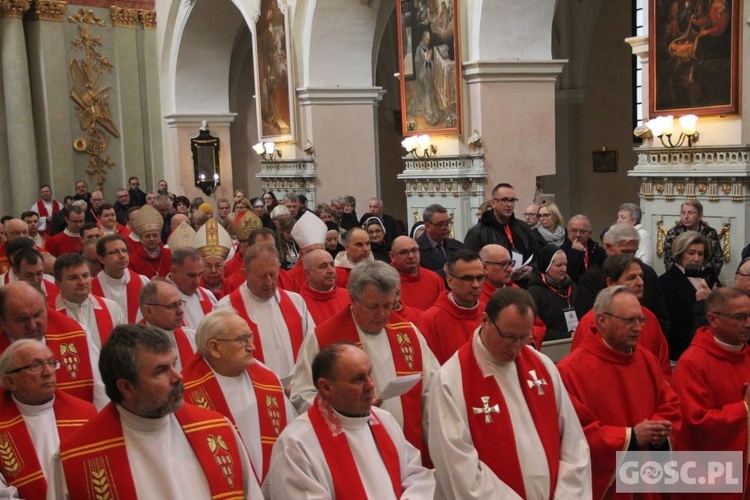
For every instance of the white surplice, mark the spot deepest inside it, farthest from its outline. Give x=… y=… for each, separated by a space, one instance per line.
x=85 y=315
x=277 y=345
x=458 y=470
x=42 y=427
x=193 y=310
x=299 y=469
x=116 y=289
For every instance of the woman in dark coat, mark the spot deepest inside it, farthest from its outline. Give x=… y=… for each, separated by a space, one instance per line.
x=555 y=293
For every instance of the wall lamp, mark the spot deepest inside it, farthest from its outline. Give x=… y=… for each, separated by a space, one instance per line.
x=416 y=143
x=662 y=126
x=267 y=150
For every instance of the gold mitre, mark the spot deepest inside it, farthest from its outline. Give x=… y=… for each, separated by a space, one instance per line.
x=181 y=237
x=212 y=240
x=147 y=219
x=241 y=223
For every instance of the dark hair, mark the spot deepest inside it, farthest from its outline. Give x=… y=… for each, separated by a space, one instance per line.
x=464 y=255
x=180 y=255
x=510 y=296
x=15 y=246
x=501 y=185
x=6 y=218
x=181 y=199
x=66 y=261
x=30 y=256
x=718 y=298
x=101 y=245
x=68 y=197
x=259 y=231
x=431 y=210
x=324 y=363
x=616 y=265
x=106 y=206
x=87 y=227
x=119 y=355
x=75 y=209
x=29 y=213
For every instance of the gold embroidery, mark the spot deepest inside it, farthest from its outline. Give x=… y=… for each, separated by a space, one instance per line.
x=274 y=412
x=12 y=463
x=222 y=457
x=407 y=350
x=200 y=398
x=70 y=359
x=99 y=474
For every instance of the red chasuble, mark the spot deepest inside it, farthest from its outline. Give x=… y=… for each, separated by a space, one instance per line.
x=407 y=359
x=67 y=341
x=104 y=322
x=202 y=389
x=143 y=263
x=407 y=313
x=63 y=243
x=446 y=327
x=489 y=427
x=19 y=463
x=133 y=292
x=347 y=482
x=612 y=392
x=237 y=280
x=421 y=290
x=294 y=279
x=652 y=339
x=4 y=262
x=323 y=305
x=234 y=265
x=95 y=459
x=342 y=276
x=710 y=379
x=289 y=311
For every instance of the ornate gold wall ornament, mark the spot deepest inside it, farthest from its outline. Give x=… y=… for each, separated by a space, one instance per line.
x=148 y=19
x=659 y=188
x=660 y=234
x=726 y=188
x=90 y=97
x=13 y=8
x=680 y=188
x=47 y=10
x=702 y=188
x=123 y=18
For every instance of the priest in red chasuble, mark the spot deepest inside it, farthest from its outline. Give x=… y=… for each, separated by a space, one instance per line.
x=712 y=378
x=501 y=424
x=323 y=298
x=622 y=398
x=420 y=287
x=343 y=446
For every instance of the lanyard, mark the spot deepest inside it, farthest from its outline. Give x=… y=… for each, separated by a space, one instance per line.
x=565 y=296
x=509 y=234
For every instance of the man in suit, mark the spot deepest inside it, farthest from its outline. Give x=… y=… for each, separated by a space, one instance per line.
x=393 y=228
x=435 y=245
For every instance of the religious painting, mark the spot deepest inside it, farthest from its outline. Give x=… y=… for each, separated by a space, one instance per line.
x=273 y=73
x=430 y=66
x=694 y=56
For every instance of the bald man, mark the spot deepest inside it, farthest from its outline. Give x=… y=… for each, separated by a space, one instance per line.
x=499 y=267
x=322 y=296
x=420 y=287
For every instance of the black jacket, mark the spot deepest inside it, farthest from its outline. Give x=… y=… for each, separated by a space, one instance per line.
x=679 y=295
x=430 y=257
x=576 y=266
x=551 y=305
x=489 y=230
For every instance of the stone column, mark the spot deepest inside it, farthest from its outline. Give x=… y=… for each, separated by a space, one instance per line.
x=512 y=105
x=342 y=125
x=48 y=67
x=148 y=58
x=24 y=178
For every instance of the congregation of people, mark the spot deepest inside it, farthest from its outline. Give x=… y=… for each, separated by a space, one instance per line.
x=162 y=347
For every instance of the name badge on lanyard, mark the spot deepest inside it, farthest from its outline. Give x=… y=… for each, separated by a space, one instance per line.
x=571 y=319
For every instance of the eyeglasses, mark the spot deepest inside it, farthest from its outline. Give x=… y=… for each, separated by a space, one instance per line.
x=739 y=317
x=544 y=216
x=641 y=320
x=525 y=339
x=118 y=251
x=506 y=200
x=404 y=253
x=171 y=307
x=684 y=212
x=469 y=279
x=531 y=214
x=441 y=225
x=502 y=263
x=38 y=366
x=243 y=340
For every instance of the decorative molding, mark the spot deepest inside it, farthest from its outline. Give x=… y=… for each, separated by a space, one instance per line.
x=338 y=96
x=148 y=18
x=194 y=120
x=444 y=167
x=47 y=10
x=13 y=8
x=297 y=176
x=124 y=18
x=639 y=46
x=513 y=71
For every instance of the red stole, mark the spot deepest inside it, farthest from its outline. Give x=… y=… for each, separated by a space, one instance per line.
x=291 y=315
x=133 y=290
x=347 y=482
x=103 y=318
x=206 y=305
x=407 y=359
x=65 y=338
x=486 y=427
x=20 y=464
x=202 y=389
x=42 y=208
x=96 y=461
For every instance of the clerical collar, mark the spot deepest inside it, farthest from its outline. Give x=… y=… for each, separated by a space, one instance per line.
x=142 y=424
x=34 y=410
x=360 y=329
x=258 y=300
x=352 y=422
x=729 y=347
x=453 y=299
x=72 y=235
x=73 y=305
x=630 y=351
x=153 y=255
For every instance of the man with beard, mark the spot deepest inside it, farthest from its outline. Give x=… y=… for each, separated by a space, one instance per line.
x=147 y=442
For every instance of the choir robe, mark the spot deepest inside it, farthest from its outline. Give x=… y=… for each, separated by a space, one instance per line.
x=710 y=379
x=150 y=266
x=323 y=305
x=236 y=399
x=447 y=326
x=40 y=240
x=421 y=290
x=64 y=242
x=118 y=229
x=184 y=340
x=272 y=331
x=35 y=439
x=342 y=276
x=117 y=289
x=197 y=305
x=294 y=279
x=344 y=266
x=236 y=280
x=378 y=348
x=488 y=290
x=46 y=210
x=652 y=338
x=299 y=468
x=160 y=461
x=411 y=314
x=458 y=469
x=612 y=392
x=234 y=265
x=86 y=314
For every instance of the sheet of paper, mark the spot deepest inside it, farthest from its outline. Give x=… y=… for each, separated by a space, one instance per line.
x=399 y=386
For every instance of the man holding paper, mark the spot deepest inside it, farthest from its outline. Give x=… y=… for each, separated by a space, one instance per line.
x=396 y=349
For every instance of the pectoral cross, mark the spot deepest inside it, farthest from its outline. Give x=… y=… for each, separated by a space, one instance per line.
x=486 y=409
x=536 y=382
